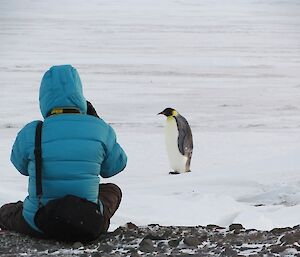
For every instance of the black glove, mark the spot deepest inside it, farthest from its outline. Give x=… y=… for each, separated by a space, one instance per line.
x=91 y=110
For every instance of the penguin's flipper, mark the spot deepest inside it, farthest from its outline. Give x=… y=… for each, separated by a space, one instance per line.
x=185 y=138
x=174 y=172
x=188 y=162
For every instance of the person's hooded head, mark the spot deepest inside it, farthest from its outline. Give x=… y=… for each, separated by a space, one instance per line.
x=61 y=88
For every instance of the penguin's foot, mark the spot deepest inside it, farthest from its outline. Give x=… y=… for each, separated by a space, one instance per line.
x=188 y=171
x=174 y=172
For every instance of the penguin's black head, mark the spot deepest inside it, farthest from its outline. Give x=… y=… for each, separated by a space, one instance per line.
x=168 y=112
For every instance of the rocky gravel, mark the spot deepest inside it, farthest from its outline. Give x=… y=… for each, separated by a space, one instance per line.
x=156 y=240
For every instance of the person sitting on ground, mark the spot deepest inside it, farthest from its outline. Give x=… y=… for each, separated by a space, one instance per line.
x=76 y=147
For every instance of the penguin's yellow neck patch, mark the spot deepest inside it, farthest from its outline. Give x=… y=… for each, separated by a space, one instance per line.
x=174 y=113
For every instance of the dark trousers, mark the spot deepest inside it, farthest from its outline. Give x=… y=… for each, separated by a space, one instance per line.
x=11 y=217
x=110 y=195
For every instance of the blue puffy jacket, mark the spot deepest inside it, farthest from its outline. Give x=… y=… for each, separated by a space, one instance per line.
x=76 y=148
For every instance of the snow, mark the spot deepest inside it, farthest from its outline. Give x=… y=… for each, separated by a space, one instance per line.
x=230 y=67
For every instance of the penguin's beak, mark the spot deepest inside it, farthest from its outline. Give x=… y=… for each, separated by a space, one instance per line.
x=160 y=113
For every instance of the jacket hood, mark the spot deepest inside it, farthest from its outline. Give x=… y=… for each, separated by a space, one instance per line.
x=61 y=87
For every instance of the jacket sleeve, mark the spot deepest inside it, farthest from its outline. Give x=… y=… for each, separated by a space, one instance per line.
x=19 y=154
x=116 y=158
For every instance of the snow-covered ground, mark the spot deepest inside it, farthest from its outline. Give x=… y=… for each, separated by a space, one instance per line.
x=231 y=67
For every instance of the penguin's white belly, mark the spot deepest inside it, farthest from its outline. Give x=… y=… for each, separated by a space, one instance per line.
x=176 y=159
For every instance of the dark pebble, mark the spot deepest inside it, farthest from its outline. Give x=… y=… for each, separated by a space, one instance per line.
x=167 y=233
x=191 y=241
x=291 y=238
x=229 y=252
x=135 y=254
x=118 y=231
x=77 y=245
x=53 y=249
x=248 y=248
x=280 y=231
x=146 y=245
x=154 y=236
x=277 y=249
x=131 y=225
x=38 y=247
x=96 y=254
x=106 y=248
x=237 y=243
x=235 y=227
x=174 y=242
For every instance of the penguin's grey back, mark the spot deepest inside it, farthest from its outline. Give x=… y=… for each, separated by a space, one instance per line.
x=185 y=138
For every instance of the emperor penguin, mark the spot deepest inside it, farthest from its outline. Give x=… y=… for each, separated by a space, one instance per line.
x=179 y=141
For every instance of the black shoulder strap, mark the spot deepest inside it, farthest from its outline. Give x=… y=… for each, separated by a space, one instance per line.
x=38 y=160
